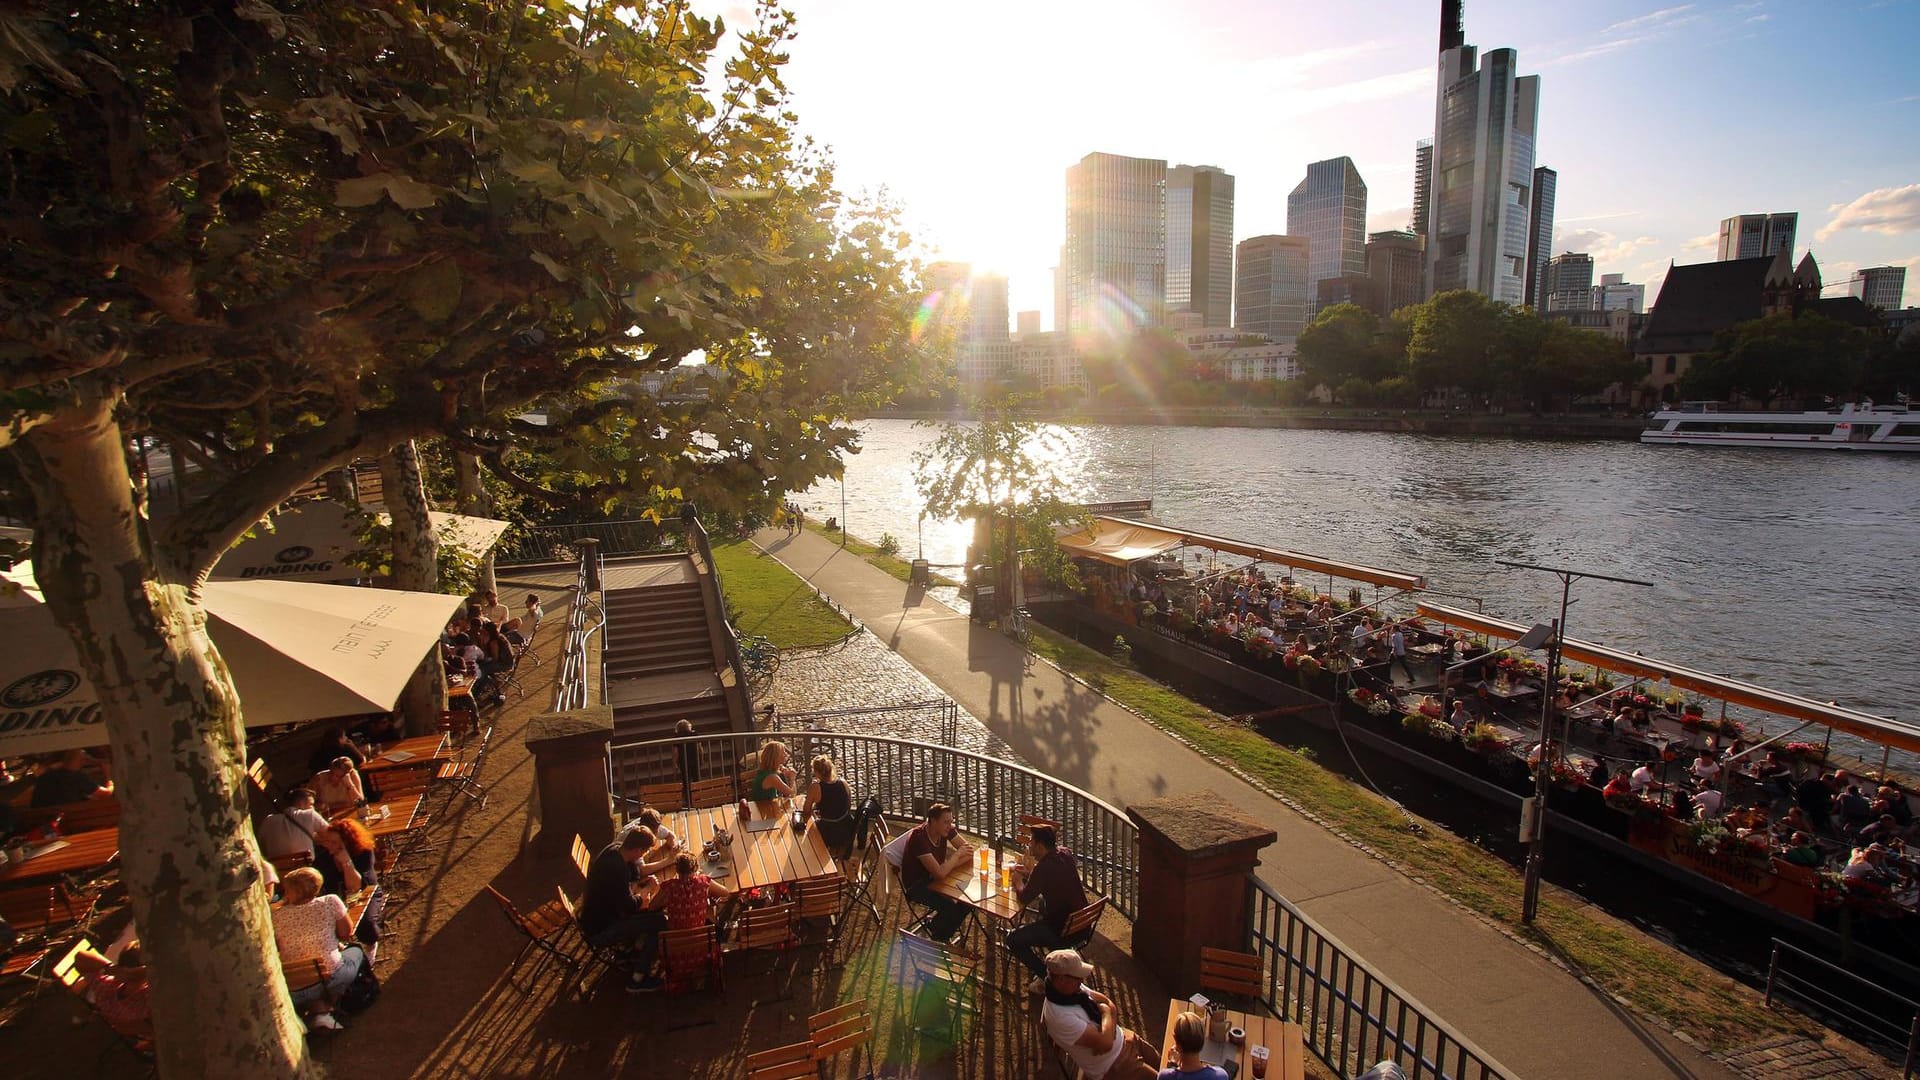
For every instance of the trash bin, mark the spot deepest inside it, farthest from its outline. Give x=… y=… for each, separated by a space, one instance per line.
x=920 y=574
x=986 y=603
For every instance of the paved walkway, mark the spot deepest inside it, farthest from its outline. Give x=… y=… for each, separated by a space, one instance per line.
x=1534 y=1017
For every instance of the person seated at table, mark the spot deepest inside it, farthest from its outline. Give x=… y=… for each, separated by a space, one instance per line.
x=1619 y=786
x=830 y=805
x=934 y=849
x=289 y=834
x=312 y=924
x=1854 y=808
x=1643 y=780
x=378 y=729
x=118 y=990
x=610 y=916
x=491 y=609
x=530 y=619
x=1814 y=797
x=1183 y=1057
x=343 y=853
x=338 y=788
x=1747 y=819
x=1775 y=775
x=1891 y=800
x=1707 y=800
x=1866 y=868
x=1052 y=880
x=774 y=778
x=496 y=659
x=1880 y=831
x=1460 y=718
x=1085 y=1024
x=338 y=744
x=1705 y=768
x=1802 y=851
x=66 y=780
x=651 y=819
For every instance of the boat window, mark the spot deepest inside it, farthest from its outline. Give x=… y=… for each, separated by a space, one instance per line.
x=1909 y=430
x=1755 y=429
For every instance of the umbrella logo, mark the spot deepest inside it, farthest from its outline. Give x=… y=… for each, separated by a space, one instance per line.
x=294 y=554
x=39 y=688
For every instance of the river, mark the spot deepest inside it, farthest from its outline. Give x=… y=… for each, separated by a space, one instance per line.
x=1788 y=568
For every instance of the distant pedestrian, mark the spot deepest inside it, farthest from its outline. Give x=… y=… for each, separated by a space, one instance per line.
x=1397 y=653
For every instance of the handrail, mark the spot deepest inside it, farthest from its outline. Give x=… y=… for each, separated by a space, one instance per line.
x=1351 y=1015
x=628 y=536
x=987 y=794
x=1818 y=995
x=698 y=542
x=570 y=688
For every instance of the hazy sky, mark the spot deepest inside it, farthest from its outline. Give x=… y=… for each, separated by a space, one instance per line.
x=1660 y=118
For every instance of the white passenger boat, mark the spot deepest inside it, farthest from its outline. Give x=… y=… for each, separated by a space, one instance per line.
x=1850 y=427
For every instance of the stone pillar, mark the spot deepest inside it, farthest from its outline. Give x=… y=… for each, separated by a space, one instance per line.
x=1195 y=855
x=570 y=778
x=589 y=549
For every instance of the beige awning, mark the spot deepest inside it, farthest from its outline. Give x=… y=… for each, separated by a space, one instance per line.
x=1117 y=541
x=298 y=651
x=1878 y=729
x=310 y=541
x=1295 y=559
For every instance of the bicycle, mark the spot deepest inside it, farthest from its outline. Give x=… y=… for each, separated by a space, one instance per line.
x=760 y=657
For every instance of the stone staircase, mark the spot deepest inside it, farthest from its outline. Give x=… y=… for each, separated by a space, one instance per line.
x=665 y=662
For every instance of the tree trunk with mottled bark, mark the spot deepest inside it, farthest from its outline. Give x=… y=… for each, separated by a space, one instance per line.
x=474 y=502
x=188 y=857
x=416 y=567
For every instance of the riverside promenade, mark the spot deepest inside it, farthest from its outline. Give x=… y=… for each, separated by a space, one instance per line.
x=1532 y=1015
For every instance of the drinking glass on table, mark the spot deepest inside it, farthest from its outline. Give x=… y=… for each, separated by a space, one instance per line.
x=1258 y=1055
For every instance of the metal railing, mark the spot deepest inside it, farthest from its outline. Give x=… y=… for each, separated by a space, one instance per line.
x=555 y=543
x=988 y=795
x=570 y=685
x=943 y=714
x=1351 y=1015
x=698 y=545
x=1817 y=991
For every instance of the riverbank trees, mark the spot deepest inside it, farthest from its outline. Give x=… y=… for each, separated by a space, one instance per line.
x=281 y=243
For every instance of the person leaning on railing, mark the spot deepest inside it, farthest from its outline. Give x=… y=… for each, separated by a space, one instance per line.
x=1054 y=882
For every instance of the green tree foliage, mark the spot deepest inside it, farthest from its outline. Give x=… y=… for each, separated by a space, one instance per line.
x=284 y=236
x=1150 y=367
x=1781 y=357
x=1456 y=342
x=1342 y=346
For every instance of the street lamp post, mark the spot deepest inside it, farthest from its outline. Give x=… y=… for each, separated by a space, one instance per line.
x=1549 y=747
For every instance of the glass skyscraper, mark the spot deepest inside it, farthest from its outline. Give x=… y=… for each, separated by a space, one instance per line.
x=1115 y=261
x=1540 y=236
x=1329 y=209
x=1481 y=200
x=1200 y=243
x=1270 y=287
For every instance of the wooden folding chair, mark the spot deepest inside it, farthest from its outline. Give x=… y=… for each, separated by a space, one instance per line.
x=287 y=864
x=791 y=1062
x=1081 y=924
x=664 y=797
x=1224 y=971
x=305 y=973
x=861 y=889
x=41 y=909
x=822 y=898
x=462 y=778
x=67 y=973
x=950 y=972
x=715 y=792
x=696 y=948
x=840 y=1029
x=769 y=927
x=1024 y=825
x=455 y=724
x=543 y=928
x=582 y=858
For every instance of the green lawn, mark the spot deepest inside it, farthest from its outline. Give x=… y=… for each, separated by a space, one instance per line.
x=767 y=599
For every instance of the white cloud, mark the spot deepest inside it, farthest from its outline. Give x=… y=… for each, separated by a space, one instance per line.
x=1378 y=88
x=1758 y=18
x=1606 y=248
x=1890 y=211
x=1704 y=242
x=1382 y=220
x=1662 y=17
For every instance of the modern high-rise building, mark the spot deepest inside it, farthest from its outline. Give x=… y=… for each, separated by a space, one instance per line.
x=1200 y=243
x=1116 y=253
x=1880 y=286
x=1569 y=282
x=1397 y=261
x=970 y=316
x=1540 y=236
x=1615 y=294
x=1422 y=186
x=1025 y=323
x=1751 y=236
x=1485 y=118
x=1271 y=292
x=1329 y=208
x=1060 y=291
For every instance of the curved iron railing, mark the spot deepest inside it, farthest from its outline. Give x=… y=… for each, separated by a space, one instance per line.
x=570 y=685
x=988 y=795
x=1351 y=1015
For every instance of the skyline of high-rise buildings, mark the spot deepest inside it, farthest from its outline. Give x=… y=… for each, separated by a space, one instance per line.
x=1115 y=259
x=1200 y=243
x=1329 y=207
x=1568 y=283
x=1271 y=291
x=1749 y=236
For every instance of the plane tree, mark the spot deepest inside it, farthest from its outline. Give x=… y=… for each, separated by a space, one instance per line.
x=281 y=236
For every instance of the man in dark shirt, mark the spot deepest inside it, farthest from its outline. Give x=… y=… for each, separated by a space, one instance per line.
x=934 y=850
x=1054 y=881
x=1815 y=797
x=67 y=781
x=609 y=914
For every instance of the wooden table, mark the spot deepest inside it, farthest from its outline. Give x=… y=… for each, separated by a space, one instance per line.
x=399 y=818
x=420 y=750
x=1287 y=1051
x=757 y=859
x=79 y=853
x=986 y=897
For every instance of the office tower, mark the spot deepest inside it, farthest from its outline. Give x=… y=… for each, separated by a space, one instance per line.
x=1615 y=294
x=1026 y=322
x=1397 y=262
x=1271 y=292
x=1750 y=236
x=1485 y=118
x=1422 y=186
x=968 y=315
x=1880 y=286
x=1569 y=282
x=1200 y=243
x=1329 y=208
x=1060 y=291
x=1540 y=236
x=1116 y=254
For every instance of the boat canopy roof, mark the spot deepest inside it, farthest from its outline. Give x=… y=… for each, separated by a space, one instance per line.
x=1119 y=541
x=1879 y=729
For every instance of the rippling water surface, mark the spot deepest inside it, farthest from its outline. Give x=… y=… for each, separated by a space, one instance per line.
x=1790 y=568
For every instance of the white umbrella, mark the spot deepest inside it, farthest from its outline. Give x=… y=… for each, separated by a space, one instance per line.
x=310 y=541
x=298 y=651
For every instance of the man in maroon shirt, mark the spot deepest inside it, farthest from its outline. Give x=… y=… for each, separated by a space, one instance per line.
x=934 y=850
x=1054 y=880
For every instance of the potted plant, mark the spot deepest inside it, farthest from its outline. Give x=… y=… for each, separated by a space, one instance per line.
x=1483 y=738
